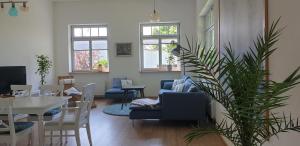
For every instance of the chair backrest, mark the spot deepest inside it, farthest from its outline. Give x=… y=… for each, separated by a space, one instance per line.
x=6 y=108
x=85 y=104
x=21 y=90
x=51 y=90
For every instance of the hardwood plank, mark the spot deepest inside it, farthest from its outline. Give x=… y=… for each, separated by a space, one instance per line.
x=118 y=131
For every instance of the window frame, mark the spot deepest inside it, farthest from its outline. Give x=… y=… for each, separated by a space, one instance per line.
x=73 y=38
x=160 y=38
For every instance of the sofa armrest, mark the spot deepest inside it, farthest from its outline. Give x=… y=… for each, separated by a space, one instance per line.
x=185 y=106
x=162 y=82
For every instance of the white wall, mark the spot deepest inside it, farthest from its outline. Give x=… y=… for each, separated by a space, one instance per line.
x=286 y=59
x=123 y=18
x=23 y=37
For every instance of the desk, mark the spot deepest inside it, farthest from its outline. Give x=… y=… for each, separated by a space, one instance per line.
x=38 y=106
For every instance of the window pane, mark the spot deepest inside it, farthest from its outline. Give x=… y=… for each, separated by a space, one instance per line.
x=167 y=56
x=94 y=32
x=155 y=30
x=102 y=31
x=101 y=44
x=150 y=41
x=81 y=45
x=147 y=30
x=81 y=60
x=164 y=30
x=78 y=32
x=86 y=32
x=100 y=56
x=169 y=41
x=173 y=29
x=151 y=56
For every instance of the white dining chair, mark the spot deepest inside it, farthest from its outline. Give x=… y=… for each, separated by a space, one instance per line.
x=77 y=119
x=10 y=131
x=21 y=90
x=51 y=90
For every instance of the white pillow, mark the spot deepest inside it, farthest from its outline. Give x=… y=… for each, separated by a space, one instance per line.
x=179 y=87
x=126 y=83
x=176 y=82
x=72 y=91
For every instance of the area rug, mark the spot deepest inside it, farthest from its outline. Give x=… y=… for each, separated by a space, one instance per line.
x=116 y=110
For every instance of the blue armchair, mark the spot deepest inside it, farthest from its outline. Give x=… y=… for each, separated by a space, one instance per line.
x=116 y=92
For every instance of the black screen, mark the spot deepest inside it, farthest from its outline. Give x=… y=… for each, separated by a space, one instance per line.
x=11 y=75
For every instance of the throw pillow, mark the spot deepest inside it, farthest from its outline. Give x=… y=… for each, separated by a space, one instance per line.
x=168 y=85
x=179 y=88
x=176 y=82
x=72 y=91
x=126 y=83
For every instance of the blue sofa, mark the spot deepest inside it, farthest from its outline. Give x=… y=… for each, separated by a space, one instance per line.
x=116 y=92
x=186 y=105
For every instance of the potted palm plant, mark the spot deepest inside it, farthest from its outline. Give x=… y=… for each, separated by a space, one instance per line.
x=44 y=64
x=238 y=83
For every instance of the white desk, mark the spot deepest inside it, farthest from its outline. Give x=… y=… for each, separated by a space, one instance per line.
x=38 y=106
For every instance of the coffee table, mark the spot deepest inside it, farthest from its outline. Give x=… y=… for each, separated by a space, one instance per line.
x=139 y=88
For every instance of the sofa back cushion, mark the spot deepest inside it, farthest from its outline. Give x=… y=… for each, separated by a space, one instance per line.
x=187 y=85
x=116 y=82
x=176 y=82
x=179 y=87
x=168 y=85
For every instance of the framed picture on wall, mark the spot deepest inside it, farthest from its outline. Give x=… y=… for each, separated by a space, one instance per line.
x=124 y=49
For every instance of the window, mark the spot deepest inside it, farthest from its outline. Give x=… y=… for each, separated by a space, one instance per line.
x=89 y=48
x=209 y=29
x=156 y=46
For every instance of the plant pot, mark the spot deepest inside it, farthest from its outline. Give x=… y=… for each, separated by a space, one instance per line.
x=169 y=67
x=99 y=68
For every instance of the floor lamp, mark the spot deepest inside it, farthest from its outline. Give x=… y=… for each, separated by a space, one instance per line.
x=177 y=52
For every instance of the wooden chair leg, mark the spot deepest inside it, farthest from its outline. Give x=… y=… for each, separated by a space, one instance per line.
x=51 y=134
x=66 y=136
x=60 y=136
x=88 y=130
x=77 y=136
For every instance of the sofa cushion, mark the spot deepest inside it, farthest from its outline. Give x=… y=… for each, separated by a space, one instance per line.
x=187 y=85
x=168 y=85
x=116 y=82
x=179 y=87
x=162 y=91
x=185 y=77
x=176 y=82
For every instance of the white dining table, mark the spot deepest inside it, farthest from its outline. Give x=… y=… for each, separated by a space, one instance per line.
x=38 y=106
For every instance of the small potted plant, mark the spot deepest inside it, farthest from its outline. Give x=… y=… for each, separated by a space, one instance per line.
x=102 y=65
x=44 y=64
x=170 y=61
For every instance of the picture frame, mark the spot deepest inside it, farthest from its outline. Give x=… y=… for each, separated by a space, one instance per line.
x=124 y=49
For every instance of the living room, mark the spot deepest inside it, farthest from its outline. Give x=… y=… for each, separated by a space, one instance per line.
x=48 y=28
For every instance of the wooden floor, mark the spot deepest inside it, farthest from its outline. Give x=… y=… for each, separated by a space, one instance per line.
x=118 y=131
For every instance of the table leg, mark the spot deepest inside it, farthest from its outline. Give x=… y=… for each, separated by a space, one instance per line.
x=41 y=129
x=142 y=93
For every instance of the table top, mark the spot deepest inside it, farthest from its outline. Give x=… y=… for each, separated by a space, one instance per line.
x=134 y=87
x=37 y=105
